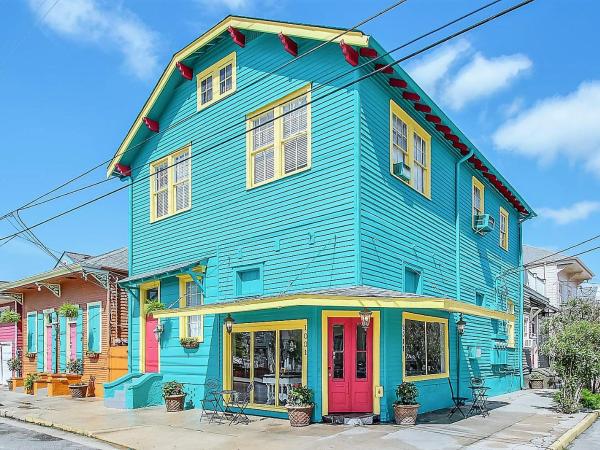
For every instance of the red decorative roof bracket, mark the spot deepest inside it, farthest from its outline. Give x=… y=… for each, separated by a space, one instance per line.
x=151 y=124
x=412 y=96
x=385 y=68
x=462 y=147
x=237 y=36
x=426 y=109
x=443 y=128
x=368 y=52
x=484 y=169
x=397 y=82
x=122 y=170
x=452 y=137
x=350 y=54
x=433 y=118
x=186 y=71
x=289 y=45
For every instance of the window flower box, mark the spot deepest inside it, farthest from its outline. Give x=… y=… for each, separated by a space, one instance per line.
x=189 y=342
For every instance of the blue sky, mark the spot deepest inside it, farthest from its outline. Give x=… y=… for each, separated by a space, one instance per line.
x=74 y=74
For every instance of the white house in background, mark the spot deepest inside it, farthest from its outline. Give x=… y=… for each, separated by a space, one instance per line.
x=561 y=273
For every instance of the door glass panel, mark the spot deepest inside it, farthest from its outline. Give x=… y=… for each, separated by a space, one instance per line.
x=264 y=367
x=361 y=352
x=290 y=362
x=338 y=351
x=414 y=342
x=240 y=363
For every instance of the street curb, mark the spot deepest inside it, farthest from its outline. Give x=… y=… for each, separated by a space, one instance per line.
x=563 y=442
x=44 y=423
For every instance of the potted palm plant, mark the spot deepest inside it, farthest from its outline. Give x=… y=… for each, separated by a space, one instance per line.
x=68 y=310
x=174 y=396
x=406 y=407
x=29 y=381
x=299 y=405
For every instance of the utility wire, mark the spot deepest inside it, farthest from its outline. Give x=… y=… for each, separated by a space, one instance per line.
x=320 y=86
x=184 y=119
x=292 y=110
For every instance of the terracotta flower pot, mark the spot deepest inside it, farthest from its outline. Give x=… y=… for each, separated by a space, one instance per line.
x=406 y=414
x=536 y=384
x=300 y=415
x=29 y=391
x=78 y=390
x=174 y=403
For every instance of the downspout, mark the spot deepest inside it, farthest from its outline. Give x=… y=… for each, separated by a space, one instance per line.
x=457 y=220
x=357 y=191
x=521 y=297
x=129 y=291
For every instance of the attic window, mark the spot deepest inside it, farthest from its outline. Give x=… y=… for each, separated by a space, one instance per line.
x=217 y=81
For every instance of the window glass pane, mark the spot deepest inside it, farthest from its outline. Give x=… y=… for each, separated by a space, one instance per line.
x=290 y=362
x=225 y=79
x=206 y=93
x=240 y=362
x=263 y=130
x=295 y=153
x=264 y=367
x=435 y=347
x=194 y=326
x=295 y=118
x=152 y=294
x=193 y=294
x=338 y=351
x=414 y=347
x=264 y=165
x=361 y=352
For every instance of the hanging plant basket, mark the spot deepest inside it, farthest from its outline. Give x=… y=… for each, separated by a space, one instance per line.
x=189 y=343
x=69 y=310
x=31 y=355
x=92 y=355
x=154 y=305
x=78 y=390
x=9 y=316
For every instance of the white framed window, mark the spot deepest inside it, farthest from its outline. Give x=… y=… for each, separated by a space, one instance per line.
x=217 y=81
x=279 y=139
x=503 y=228
x=170 y=184
x=190 y=295
x=477 y=199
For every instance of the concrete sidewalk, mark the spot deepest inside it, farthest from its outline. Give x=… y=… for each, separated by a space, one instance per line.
x=521 y=420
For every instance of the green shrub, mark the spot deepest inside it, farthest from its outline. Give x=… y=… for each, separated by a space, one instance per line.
x=406 y=394
x=189 y=342
x=75 y=366
x=154 y=305
x=9 y=316
x=589 y=400
x=15 y=364
x=299 y=395
x=172 y=388
x=29 y=380
x=68 y=310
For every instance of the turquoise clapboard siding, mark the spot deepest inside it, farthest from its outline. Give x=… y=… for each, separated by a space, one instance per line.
x=346 y=221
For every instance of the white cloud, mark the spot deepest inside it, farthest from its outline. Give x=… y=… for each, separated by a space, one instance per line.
x=431 y=69
x=566 y=126
x=482 y=77
x=512 y=108
x=109 y=27
x=576 y=212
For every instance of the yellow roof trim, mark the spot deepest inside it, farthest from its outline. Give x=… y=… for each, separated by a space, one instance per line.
x=355 y=38
x=335 y=300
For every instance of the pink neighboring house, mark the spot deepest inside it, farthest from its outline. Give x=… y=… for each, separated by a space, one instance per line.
x=10 y=336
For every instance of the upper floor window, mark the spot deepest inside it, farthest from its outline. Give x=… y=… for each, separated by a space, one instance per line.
x=279 y=139
x=216 y=81
x=503 y=228
x=410 y=151
x=170 y=184
x=477 y=196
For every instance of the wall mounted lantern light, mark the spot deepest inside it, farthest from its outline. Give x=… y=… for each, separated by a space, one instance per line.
x=158 y=331
x=365 y=318
x=460 y=325
x=229 y=323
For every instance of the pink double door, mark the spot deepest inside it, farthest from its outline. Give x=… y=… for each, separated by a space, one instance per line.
x=350 y=371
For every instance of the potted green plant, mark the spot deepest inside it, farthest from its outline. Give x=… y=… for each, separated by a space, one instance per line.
x=299 y=405
x=174 y=396
x=9 y=316
x=68 y=310
x=30 y=379
x=189 y=342
x=154 y=305
x=536 y=381
x=75 y=366
x=406 y=407
x=15 y=365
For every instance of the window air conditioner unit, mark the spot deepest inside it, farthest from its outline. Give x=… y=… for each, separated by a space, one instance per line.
x=402 y=170
x=484 y=223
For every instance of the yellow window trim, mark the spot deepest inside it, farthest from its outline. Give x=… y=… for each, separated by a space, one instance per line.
x=300 y=324
x=183 y=320
x=170 y=160
x=503 y=239
x=412 y=128
x=143 y=288
x=422 y=318
x=376 y=324
x=476 y=183
x=277 y=105
x=214 y=72
x=510 y=324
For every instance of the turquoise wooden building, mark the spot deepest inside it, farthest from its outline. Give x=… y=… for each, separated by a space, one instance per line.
x=288 y=198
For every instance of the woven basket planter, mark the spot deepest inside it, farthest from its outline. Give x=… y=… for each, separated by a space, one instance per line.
x=78 y=390
x=300 y=415
x=406 y=414
x=536 y=384
x=174 y=403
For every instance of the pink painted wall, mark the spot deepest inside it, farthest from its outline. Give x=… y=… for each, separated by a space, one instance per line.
x=73 y=340
x=8 y=333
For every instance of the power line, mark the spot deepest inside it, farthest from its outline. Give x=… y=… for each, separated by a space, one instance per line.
x=530 y=263
x=179 y=122
x=345 y=86
x=322 y=85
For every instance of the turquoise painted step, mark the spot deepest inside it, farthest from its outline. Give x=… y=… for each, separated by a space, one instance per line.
x=135 y=390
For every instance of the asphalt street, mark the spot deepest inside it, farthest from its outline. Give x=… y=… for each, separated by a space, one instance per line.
x=589 y=440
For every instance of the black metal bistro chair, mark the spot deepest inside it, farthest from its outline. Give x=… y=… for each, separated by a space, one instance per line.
x=480 y=396
x=211 y=402
x=459 y=402
x=240 y=401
